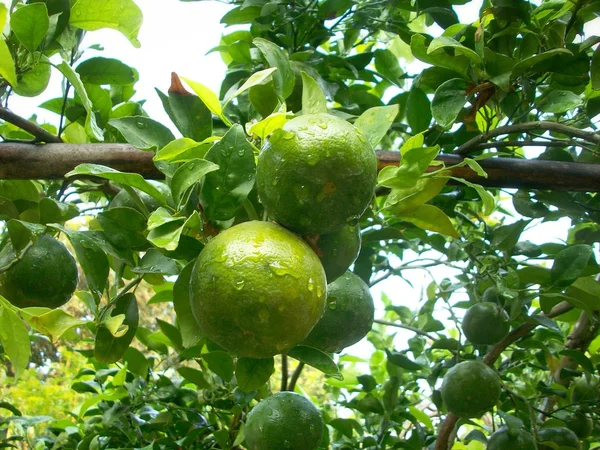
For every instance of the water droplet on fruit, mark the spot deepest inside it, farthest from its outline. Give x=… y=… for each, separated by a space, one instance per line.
x=311 y=285
x=302 y=193
x=319 y=291
x=264 y=315
x=332 y=305
x=322 y=124
x=239 y=285
x=275 y=181
x=287 y=135
x=312 y=159
x=361 y=138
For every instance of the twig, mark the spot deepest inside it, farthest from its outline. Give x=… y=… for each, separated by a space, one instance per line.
x=517 y=143
x=294 y=379
x=284 y=372
x=468 y=146
x=443 y=441
x=407 y=327
x=34 y=129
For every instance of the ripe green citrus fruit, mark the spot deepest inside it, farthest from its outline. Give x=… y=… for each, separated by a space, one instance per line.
x=485 y=323
x=470 y=388
x=316 y=174
x=257 y=289
x=123 y=199
x=284 y=421
x=561 y=436
x=46 y=276
x=505 y=439
x=338 y=250
x=348 y=316
x=580 y=423
x=585 y=391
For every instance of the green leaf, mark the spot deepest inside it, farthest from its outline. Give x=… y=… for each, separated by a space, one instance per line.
x=418 y=110
x=187 y=175
x=459 y=64
x=313 y=98
x=3 y=15
x=585 y=362
x=108 y=348
x=225 y=190
x=22 y=233
x=386 y=63
x=172 y=333
x=91 y=127
x=100 y=70
x=475 y=167
x=177 y=150
x=596 y=69
x=252 y=374
x=429 y=217
x=30 y=24
x=375 y=122
x=7 y=65
x=7 y=209
x=532 y=63
x=405 y=200
x=587 y=291
x=506 y=237
x=284 y=78
x=241 y=15
x=317 y=359
x=91 y=258
x=114 y=324
x=415 y=161
x=51 y=322
x=269 y=124
x=15 y=340
x=487 y=199
x=255 y=79
x=208 y=97
x=54 y=211
x=190 y=330
x=187 y=111
x=401 y=360
x=155 y=262
x=220 y=363
x=134 y=180
x=570 y=263
x=448 y=101
x=121 y=15
x=142 y=132
x=443 y=42
x=194 y=376
x=559 y=102
x=124 y=227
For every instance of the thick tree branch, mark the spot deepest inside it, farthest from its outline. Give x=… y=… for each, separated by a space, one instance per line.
x=443 y=441
x=34 y=129
x=471 y=144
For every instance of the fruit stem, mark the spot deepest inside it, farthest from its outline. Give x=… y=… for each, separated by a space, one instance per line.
x=295 y=377
x=284 y=372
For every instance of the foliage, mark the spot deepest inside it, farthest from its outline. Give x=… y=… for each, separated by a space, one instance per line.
x=524 y=74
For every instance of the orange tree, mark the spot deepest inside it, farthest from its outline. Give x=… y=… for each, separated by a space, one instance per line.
x=312 y=88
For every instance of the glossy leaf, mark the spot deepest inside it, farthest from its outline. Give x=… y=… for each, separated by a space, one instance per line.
x=375 y=122
x=30 y=24
x=189 y=174
x=431 y=218
x=101 y=70
x=108 y=348
x=51 y=322
x=194 y=376
x=317 y=359
x=252 y=374
x=142 y=132
x=284 y=78
x=121 y=15
x=190 y=330
x=448 y=101
x=220 y=363
x=313 y=98
x=15 y=340
x=570 y=263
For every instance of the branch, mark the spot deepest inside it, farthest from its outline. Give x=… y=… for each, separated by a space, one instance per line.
x=34 y=129
x=443 y=439
x=284 y=372
x=517 y=143
x=468 y=146
x=407 y=327
x=292 y=384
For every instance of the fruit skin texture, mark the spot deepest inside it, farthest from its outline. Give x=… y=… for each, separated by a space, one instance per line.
x=348 y=316
x=580 y=423
x=257 y=289
x=284 y=421
x=561 y=436
x=316 y=174
x=46 y=276
x=585 y=391
x=504 y=439
x=338 y=251
x=470 y=388
x=485 y=323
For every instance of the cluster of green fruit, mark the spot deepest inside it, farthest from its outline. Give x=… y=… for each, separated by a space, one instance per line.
x=259 y=289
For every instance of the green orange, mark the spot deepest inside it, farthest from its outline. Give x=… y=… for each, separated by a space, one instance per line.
x=560 y=436
x=45 y=276
x=316 y=174
x=470 y=389
x=485 y=323
x=338 y=250
x=257 y=289
x=348 y=316
x=505 y=439
x=580 y=423
x=585 y=391
x=284 y=421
